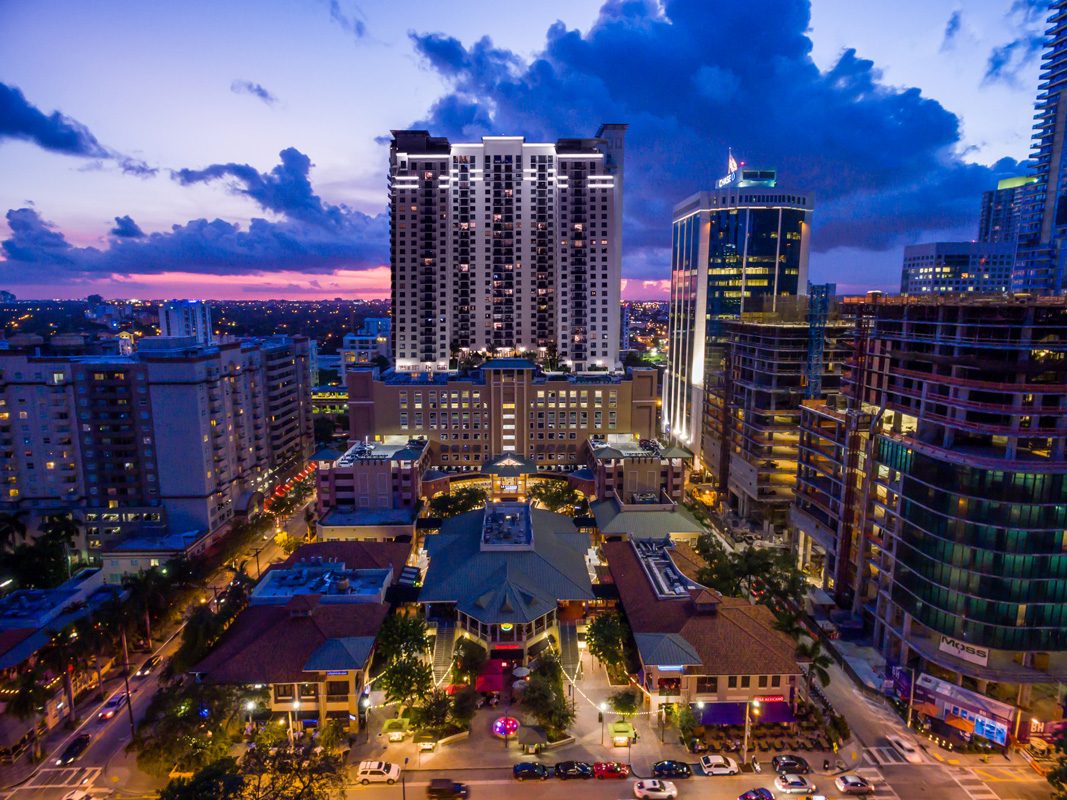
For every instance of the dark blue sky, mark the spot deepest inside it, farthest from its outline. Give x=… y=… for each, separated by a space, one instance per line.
x=230 y=149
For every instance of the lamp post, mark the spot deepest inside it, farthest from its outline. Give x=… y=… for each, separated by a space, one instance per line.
x=250 y=706
x=292 y=714
x=403 y=785
x=911 y=693
x=751 y=709
x=603 y=710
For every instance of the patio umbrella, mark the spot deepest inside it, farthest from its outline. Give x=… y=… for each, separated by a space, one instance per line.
x=520 y=672
x=518 y=686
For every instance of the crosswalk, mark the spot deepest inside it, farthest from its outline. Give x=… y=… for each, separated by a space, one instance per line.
x=69 y=777
x=973 y=786
x=882 y=790
x=884 y=757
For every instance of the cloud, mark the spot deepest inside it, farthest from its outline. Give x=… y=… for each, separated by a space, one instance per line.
x=21 y=119
x=126 y=228
x=310 y=236
x=692 y=78
x=1006 y=61
x=254 y=89
x=952 y=30
x=350 y=23
x=58 y=133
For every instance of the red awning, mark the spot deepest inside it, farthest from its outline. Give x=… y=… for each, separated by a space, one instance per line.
x=490 y=683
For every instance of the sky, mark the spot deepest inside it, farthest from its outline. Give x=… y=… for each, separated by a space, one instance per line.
x=239 y=149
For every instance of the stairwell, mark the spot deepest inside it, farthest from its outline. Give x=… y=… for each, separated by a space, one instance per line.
x=443 y=645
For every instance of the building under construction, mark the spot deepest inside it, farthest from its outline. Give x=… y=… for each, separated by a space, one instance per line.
x=932 y=496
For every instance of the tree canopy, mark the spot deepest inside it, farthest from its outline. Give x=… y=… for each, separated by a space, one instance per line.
x=555 y=495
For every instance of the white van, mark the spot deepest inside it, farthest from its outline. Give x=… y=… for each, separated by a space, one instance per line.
x=377 y=772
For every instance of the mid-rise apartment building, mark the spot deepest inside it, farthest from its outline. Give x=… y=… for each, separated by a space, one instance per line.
x=367 y=344
x=637 y=470
x=935 y=494
x=750 y=430
x=506 y=406
x=187 y=318
x=506 y=246
x=958 y=267
x=737 y=249
x=178 y=437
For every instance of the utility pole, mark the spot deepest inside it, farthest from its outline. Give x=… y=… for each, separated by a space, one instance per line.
x=126 y=680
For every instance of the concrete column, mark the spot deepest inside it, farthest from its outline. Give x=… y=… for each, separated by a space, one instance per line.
x=1022 y=698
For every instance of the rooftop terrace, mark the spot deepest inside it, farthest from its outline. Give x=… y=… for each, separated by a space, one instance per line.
x=507 y=526
x=666 y=580
x=330 y=579
x=393 y=449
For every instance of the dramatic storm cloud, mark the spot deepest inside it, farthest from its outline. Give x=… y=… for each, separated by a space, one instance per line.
x=310 y=236
x=693 y=78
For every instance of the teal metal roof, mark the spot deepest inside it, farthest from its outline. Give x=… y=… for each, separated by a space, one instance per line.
x=506 y=585
x=642 y=523
x=350 y=652
x=666 y=649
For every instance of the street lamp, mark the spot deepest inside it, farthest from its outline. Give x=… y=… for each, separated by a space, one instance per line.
x=292 y=713
x=250 y=706
x=603 y=709
x=752 y=709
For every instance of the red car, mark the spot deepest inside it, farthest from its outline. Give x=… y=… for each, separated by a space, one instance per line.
x=610 y=769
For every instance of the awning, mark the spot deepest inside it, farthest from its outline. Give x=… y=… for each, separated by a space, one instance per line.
x=539 y=647
x=734 y=713
x=489 y=683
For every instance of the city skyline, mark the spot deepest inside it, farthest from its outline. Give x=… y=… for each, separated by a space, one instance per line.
x=239 y=177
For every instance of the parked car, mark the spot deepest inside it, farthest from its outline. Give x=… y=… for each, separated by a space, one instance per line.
x=759 y=793
x=112 y=706
x=377 y=772
x=854 y=784
x=791 y=764
x=655 y=790
x=565 y=770
x=906 y=748
x=719 y=765
x=447 y=789
x=530 y=771
x=610 y=769
x=794 y=784
x=146 y=668
x=72 y=752
x=671 y=769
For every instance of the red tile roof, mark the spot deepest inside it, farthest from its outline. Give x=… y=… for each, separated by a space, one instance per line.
x=271 y=643
x=355 y=555
x=739 y=639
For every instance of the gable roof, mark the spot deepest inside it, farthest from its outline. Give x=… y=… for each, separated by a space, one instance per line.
x=516 y=585
x=509 y=465
x=613 y=518
x=271 y=644
x=738 y=639
x=666 y=648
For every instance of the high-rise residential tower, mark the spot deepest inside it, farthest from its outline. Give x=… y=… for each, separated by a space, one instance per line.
x=506 y=246
x=1043 y=225
x=186 y=318
x=1002 y=209
x=957 y=268
x=736 y=249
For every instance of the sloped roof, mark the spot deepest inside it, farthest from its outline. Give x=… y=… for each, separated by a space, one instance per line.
x=739 y=639
x=270 y=644
x=517 y=585
x=666 y=648
x=509 y=465
x=612 y=517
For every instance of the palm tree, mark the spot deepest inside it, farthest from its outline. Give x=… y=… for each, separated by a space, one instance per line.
x=62 y=656
x=95 y=639
x=788 y=623
x=148 y=594
x=64 y=530
x=28 y=700
x=12 y=528
x=818 y=663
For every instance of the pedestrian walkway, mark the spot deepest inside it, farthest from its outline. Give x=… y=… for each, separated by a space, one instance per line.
x=569 y=657
x=973 y=786
x=443 y=645
x=888 y=757
x=874 y=776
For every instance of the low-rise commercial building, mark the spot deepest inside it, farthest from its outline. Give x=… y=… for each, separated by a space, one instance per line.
x=505 y=575
x=698 y=647
x=309 y=632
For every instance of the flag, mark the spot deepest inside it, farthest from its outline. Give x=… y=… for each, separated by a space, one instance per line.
x=731 y=162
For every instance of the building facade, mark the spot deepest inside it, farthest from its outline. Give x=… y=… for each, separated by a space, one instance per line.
x=739 y=248
x=506 y=246
x=938 y=491
x=187 y=318
x=179 y=437
x=1002 y=209
x=958 y=267
x=1043 y=224
x=506 y=406
x=752 y=408
x=369 y=343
